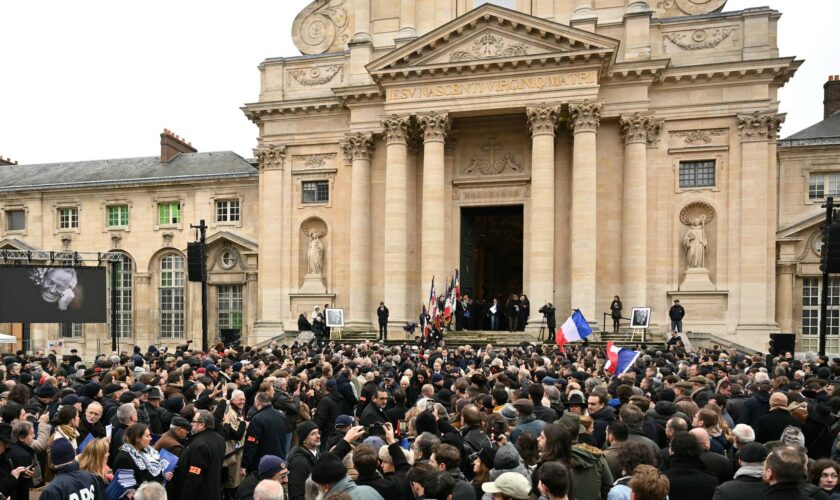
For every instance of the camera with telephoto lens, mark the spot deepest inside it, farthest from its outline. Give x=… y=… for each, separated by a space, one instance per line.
x=547 y=309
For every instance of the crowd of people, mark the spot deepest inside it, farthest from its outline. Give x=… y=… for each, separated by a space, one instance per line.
x=370 y=421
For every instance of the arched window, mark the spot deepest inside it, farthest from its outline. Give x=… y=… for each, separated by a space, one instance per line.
x=125 y=280
x=171 y=296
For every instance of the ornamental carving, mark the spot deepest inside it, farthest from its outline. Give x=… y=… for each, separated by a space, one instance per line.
x=435 y=126
x=696 y=216
x=585 y=116
x=542 y=119
x=760 y=127
x=672 y=8
x=703 y=38
x=486 y=162
x=699 y=137
x=640 y=127
x=270 y=157
x=357 y=146
x=323 y=26
x=396 y=129
x=489 y=46
x=318 y=75
x=490 y=193
x=167 y=239
x=318 y=160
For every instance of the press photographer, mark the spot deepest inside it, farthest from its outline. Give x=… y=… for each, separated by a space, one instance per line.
x=548 y=314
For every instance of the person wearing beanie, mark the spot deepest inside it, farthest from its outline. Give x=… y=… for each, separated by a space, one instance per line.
x=331 y=477
x=301 y=459
x=69 y=481
x=748 y=482
x=770 y=426
x=265 y=435
x=528 y=422
x=271 y=468
x=197 y=475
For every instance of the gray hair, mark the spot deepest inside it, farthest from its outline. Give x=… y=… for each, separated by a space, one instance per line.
x=125 y=412
x=268 y=489
x=150 y=490
x=21 y=429
x=743 y=433
x=206 y=418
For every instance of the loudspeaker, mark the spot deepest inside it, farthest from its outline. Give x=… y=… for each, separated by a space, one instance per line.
x=195 y=261
x=830 y=254
x=781 y=343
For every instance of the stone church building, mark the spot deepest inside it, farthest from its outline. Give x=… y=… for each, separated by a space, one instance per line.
x=572 y=150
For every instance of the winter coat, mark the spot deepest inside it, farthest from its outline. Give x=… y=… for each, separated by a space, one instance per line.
x=372 y=414
x=717 y=465
x=818 y=434
x=590 y=473
x=170 y=442
x=534 y=426
x=601 y=420
x=689 y=479
x=756 y=407
x=70 y=482
x=545 y=413
x=356 y=492
x=735 y=407
x=783 y=491
x=345 y=389
x=265 y=436
x=662 y=412
x=198 y=474
x=741 y=488
x=329 y=408
x=21 y=455
x=392 y=486
x=770 y=426
x=301 y=463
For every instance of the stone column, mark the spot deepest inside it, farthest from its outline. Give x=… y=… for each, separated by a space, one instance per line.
x=362 y=21
x=784 y=297
x=542 y=121
x=408 y=18
x=357 y=148
x=396 y=215
x=435 y=127
x=271 y=297
x=584 y=122
x=757 y=245
x=637 y=130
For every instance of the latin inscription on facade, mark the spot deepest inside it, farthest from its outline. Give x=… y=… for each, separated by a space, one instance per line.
x=494 y=87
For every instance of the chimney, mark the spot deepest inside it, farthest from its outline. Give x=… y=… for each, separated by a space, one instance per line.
x=831 y=102
x=171 y=146
x=6 y=162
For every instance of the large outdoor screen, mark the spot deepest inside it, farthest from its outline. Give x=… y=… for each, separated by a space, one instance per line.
x=30 y=294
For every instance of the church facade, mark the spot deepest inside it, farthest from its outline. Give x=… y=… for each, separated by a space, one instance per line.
x=573 y=150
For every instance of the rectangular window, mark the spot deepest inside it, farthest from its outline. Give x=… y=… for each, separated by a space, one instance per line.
x=124 y=295
x=316 y=191
x=227 y=211
x=811 y=314
x=171 y=297
x=15 y=220
x=68 y=218
x=169 y=213
x=230 y=307
x=71 y=330
x=697 y=173
x=118 y=216
x=823 y=185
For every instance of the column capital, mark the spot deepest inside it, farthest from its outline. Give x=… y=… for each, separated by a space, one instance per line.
x=542 y=119
x=396 y=129
x=640 y=127
x=357 y=146
x=585 y=116
x=270 y=157
x=758 y=126
x=435 y=126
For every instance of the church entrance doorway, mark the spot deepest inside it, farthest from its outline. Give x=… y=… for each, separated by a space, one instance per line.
x=491 y=258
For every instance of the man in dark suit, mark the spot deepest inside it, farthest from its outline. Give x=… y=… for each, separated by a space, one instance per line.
x=382 y=314
x=265 y=435
x=197 y=474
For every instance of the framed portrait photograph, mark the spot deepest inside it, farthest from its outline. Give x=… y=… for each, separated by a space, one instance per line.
x=52 y=294
x=335 y=318
x=640 y=317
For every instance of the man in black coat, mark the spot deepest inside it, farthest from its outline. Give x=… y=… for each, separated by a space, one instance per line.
x=757 y=405
x=301 y=461
x=375 y=412
x=686 y=473
x=770 y=426
x=602 y=415
x=550 y=321
x=783 y=471
x=676 y=313
x=748 y=482
x=265 y=435
x=329 y=408
x=542 y=412
x=198 y=474
x=382 y=315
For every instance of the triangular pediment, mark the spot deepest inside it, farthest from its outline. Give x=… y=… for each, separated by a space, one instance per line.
x=493 y=34
x=802 y=227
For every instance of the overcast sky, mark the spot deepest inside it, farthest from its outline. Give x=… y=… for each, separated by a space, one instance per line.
x=92 y=79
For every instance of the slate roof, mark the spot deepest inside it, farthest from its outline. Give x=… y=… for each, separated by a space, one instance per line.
x=185 y=167
x=824 y=132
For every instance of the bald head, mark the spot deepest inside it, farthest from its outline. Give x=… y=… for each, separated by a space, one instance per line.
x=778 y=400
x=702 y=437
x=428 y=390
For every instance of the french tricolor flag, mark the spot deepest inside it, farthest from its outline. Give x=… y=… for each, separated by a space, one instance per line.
x=619 y=359
x=575 y=328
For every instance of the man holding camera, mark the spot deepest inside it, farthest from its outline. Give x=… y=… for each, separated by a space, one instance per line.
x=548 y=312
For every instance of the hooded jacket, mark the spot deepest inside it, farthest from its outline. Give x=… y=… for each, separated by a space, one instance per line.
x=591 y=474
x=662 y=412
x=756 y=407
x=356 y=492
x=601 y=420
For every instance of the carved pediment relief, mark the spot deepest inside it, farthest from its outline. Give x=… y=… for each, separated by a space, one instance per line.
x=490 y=33
x=491 y=158
x=323 y=26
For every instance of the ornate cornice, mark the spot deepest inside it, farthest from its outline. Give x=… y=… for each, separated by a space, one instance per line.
x=435 y=126
x=396 y=129
x=542 y=119
x=643 y=128
x=357 y=146
x=585 y=116
x=760 y=127
x=271 y=157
